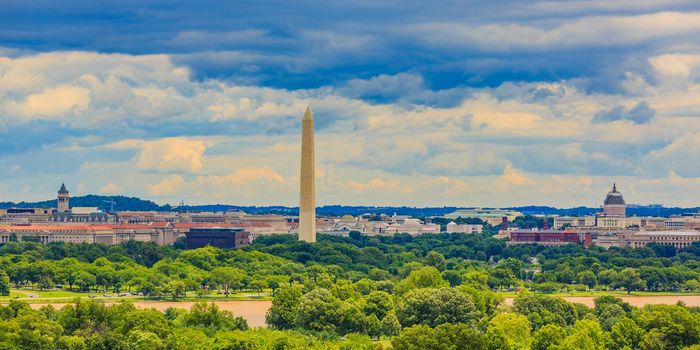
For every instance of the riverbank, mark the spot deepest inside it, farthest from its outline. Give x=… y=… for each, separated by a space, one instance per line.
x=253 y=311
x=634 y=300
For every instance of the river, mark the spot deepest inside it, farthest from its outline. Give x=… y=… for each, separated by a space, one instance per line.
x=636 y=300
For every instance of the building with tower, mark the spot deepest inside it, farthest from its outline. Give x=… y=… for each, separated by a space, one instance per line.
x=63 y=197
x=614 y=204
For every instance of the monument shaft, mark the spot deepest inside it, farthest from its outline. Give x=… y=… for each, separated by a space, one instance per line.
x=307 y=200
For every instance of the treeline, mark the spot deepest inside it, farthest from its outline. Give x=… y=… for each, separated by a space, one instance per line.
x=426 y=292
x=91 y=200
x=92 y=325
x=162 y=272
x=423 y=312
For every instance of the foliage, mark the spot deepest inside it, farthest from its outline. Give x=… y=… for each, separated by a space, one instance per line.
x=426 y=292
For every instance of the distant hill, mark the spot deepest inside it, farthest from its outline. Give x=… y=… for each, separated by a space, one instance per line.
x=137 y=204
x=121 y=203
x=632 y=210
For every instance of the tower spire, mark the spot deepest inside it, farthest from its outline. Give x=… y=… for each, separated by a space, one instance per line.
x=307 y=180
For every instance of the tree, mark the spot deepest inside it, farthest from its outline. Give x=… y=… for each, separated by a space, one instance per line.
x=629 y=278
x=515 y=327
x=378 y=303
x=625 y=334
x=71 y=342
x=587 y=278
x=433 y=307
x=203 y=258
x=436 y=260
x=418 y=337
x=228 y=278
x=4 y=284
x=675 y=325
x=426 y=277
x=208 y=316
x=390 y=325
x=85 y=280
x=378 y=274
x=143 y=340
x=542 y=310
x=258 y=285
x=548 y=337
x=608 y=277
x=67 y=271
x=453 y=277
x=284 y=309
x=585 y=335
x=319 y=310
x=175 y=289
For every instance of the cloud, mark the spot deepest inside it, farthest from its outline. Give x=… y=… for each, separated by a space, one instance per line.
x=513 y=178
x=492 y=43
x=378 y=184
x=174 y=184
x=52 y=102
x=171 y=154
x=111 y=188
x=576 y=34
x=245 y=182
x=676 y=67
x=680 y=157
x=157 y=128
x=452 y=186
x=641 y=113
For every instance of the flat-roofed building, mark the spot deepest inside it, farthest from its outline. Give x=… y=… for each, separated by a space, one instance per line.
x=678 y=239
x=220 y=237
x=58 y=233
x=491 y=216
x=82 y=214
x=140 y=217
x=273 y=223
x=204 y=217
x=453 y=227
x=573 y=221
x=547 y=237
x=161 y=233
x=25 y=215
x=413 y=227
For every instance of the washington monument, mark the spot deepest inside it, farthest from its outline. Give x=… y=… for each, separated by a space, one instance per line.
x=307 y=190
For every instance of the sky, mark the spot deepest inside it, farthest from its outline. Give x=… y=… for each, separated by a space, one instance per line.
x=454 y=103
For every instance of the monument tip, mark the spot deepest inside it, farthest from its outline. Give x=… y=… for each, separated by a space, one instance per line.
x=307 y=114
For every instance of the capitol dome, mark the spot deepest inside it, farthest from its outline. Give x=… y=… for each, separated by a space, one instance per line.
x=614 y=204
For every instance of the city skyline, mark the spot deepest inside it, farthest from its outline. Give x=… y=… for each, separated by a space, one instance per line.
x=515 y=104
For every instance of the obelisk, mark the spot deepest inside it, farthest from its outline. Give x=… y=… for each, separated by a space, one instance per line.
x=307 y=188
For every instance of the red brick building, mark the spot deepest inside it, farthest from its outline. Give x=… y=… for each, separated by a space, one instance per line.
x=547 y=237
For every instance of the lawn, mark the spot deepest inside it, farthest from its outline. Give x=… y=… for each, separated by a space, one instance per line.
x=31 y=295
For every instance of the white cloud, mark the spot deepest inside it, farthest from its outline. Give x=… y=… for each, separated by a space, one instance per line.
x=172 y=154
x=52 y=102
x=599 y=31
x=144 y=121
x=111 y=188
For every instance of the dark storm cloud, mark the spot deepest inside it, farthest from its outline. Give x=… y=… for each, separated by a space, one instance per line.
x=309 y=44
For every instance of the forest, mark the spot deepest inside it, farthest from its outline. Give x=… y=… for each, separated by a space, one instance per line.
x=441 y=291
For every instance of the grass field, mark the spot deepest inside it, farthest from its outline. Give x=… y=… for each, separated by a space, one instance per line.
x=31 y=295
